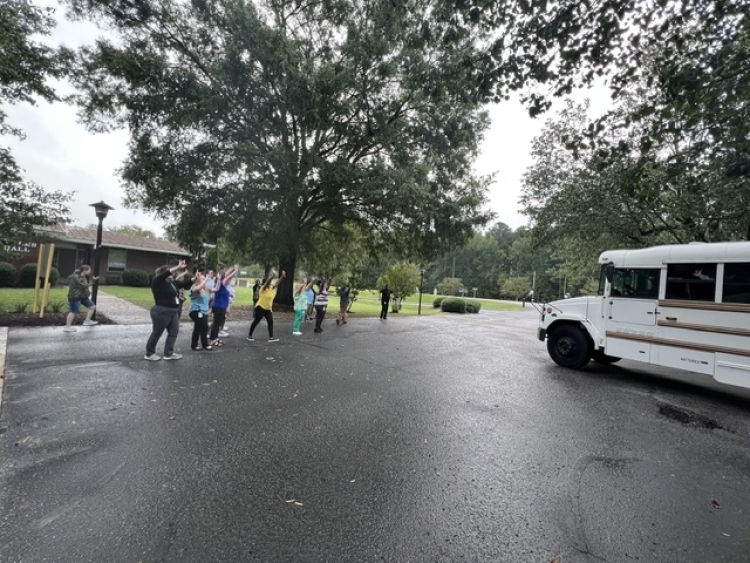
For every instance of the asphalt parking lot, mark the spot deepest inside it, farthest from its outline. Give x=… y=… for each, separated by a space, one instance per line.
x=450 y=438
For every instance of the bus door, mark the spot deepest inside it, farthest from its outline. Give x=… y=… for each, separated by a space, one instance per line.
x=631 y=313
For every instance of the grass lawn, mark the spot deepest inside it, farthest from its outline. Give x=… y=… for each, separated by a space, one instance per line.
x=366 y=305
x=22 y=300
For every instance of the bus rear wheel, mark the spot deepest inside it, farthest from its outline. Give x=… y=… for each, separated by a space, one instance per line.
x=569 y=347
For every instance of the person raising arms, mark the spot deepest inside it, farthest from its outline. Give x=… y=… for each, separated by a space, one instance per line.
x=164 y=313
x=266 y=294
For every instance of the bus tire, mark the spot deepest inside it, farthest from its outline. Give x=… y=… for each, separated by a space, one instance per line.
x=569 y=347
x=601 y=358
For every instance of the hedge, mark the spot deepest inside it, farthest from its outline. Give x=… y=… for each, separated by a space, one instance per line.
x=27 y=275
x=459 y=305
x=135 y=278
x=437 y=302
x=8 y=275
x=453 y=305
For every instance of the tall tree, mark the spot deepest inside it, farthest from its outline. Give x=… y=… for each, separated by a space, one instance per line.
x=271 y=120
x=25 y=65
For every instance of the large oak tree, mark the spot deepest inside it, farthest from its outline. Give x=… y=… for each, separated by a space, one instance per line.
x=265 y=122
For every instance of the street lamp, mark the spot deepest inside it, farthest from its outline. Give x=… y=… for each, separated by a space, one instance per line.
x=421 y=281
x=101 y=209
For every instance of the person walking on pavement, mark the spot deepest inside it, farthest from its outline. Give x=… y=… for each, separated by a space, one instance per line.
x=263 y=309
x=385 y=299
x=164 y=313
x=321 y=303
x=343 y=303
x=78 y=294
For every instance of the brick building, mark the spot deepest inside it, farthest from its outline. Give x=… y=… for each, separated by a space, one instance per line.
x=75 y=246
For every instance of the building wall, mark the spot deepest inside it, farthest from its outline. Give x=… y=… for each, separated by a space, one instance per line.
x=69 y=256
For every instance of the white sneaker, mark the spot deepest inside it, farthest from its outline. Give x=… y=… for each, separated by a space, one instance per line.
x=69 y=329
x=152 y=357
x=173 y=357
x=90 y=323
x=296 y=333
x=273 y=339
x=223 y=334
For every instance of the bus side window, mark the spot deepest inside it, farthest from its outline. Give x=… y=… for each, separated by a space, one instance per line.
x=636 y=283
x=736 y=283
x=692 y=282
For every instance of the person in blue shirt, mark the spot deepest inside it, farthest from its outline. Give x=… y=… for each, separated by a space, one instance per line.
x=310 y=294
x=221 y=303
x=198 y=311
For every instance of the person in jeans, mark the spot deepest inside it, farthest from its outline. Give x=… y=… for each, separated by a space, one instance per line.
x=199 y=312
x=165 y=314
x=78 y=294
x=265 y=303
x=321 y=303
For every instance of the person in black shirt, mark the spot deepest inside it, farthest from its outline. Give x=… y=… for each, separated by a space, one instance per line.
x=385 y=299
x=165 y=314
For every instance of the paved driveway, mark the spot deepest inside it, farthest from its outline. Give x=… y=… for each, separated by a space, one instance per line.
x=414 y=439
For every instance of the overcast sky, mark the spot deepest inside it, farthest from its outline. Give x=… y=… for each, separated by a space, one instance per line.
x=59 y=154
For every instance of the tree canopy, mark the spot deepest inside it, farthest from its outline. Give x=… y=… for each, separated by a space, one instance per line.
x=25 y=65
x=266 y=122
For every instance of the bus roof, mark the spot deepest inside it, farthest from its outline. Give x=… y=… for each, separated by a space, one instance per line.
x=697 y=252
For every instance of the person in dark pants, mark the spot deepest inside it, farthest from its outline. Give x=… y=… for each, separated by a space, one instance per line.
x=164 y=313
x=385 y=299
x=199 y=312
x=321 y=303
x=221 y=303
x=263 y=309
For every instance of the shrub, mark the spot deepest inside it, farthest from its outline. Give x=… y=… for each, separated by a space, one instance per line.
x=436 y=303
x=473 y=306
x=135 y=278
x=27 y=275
x=20 y=307
x=453 y=305
x=8 y=275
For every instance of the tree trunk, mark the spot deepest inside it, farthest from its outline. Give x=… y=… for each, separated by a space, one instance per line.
x=286 y=286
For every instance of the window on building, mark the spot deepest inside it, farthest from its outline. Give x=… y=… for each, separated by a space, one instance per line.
x=118 y=258
x=636 y=283
x=736 y=283
x=691 y=282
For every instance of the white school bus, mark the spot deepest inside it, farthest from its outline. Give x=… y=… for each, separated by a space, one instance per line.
x=679 y=306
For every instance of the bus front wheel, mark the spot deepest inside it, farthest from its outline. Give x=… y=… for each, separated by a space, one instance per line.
x=569 y=347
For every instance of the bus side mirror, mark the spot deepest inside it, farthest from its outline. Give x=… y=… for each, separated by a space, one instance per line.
x=609 y=271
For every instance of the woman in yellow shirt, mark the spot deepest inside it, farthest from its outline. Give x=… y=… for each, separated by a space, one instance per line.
x=265 y=302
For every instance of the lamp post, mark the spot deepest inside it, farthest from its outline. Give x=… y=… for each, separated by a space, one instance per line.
x=101 y=209
x=421 y=281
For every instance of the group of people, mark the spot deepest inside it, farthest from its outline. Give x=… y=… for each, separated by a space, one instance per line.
x=211 y=296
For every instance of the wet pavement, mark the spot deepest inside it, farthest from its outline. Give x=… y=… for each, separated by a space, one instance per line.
x=450 y=438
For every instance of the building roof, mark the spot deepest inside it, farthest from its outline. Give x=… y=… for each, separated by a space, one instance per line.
x=112 y=239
